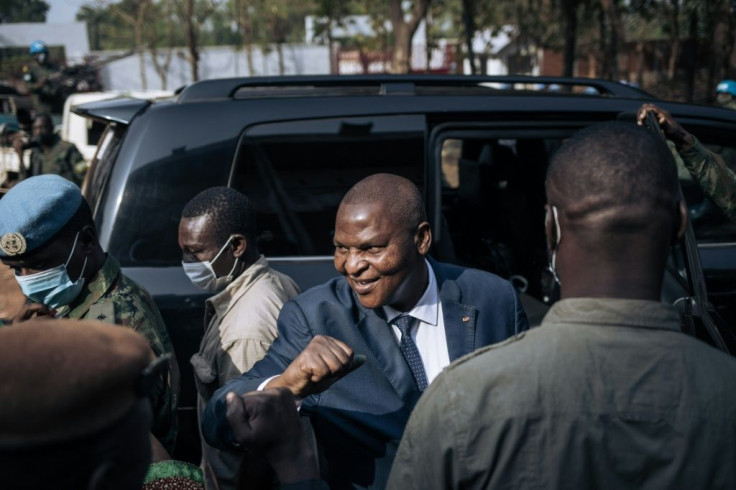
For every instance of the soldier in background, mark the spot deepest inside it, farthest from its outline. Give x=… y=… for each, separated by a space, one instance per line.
x=38 y=77
x=708 y=169
x=726 y=94
x=49 y=153
x=48 y=237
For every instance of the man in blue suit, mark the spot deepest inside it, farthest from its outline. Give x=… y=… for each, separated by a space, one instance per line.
x=381 y=240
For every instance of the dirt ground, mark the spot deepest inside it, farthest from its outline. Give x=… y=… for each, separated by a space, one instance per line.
x=11 y=299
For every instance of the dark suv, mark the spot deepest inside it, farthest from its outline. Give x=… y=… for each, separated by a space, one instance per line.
x=478 y=147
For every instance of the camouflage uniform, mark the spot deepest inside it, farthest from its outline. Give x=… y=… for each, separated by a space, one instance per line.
x=62 y=158
x=38 y=83
x=714 y=177
x=113 y=298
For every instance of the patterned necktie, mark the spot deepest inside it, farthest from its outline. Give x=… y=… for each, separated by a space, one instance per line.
x=410 y=351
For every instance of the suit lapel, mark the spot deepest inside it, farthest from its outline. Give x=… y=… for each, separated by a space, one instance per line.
x=380 y=339
x=459 y=318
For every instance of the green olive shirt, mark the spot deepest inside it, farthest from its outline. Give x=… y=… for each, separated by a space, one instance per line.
x=605 y=394
x=62 y=158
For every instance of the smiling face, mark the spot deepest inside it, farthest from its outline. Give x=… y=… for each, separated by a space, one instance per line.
x=381 y=257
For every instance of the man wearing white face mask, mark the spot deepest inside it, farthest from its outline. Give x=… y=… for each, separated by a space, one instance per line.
x=217 y=236
x=48 y=237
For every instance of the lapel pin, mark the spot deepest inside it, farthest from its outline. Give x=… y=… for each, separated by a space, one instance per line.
x=466 y=319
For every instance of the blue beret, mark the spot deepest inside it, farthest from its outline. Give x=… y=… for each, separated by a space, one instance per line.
x=34 y=210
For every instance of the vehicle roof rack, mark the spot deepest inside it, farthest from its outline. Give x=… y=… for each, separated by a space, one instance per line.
x=255 y=87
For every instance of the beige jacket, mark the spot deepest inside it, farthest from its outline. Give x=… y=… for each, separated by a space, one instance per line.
x=240 y=327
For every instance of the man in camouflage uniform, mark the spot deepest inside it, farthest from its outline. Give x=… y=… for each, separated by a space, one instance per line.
x=50 y=154
x=708 y=169
x=47 y=236
x=39 y=76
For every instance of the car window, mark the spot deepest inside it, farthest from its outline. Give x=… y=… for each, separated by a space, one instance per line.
x=492 y=205
x=296 y=173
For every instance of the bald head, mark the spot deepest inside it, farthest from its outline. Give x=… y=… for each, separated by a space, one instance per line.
x=614 y=176
x=398 y=195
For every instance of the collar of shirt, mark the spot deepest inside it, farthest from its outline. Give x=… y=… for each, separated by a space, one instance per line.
x=426 y=309
x=225 y=299
x=614 y=311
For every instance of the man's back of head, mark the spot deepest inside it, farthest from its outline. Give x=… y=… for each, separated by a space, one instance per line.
x=613 y=205
x=607 y=392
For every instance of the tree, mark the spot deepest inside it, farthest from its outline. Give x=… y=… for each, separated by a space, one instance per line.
x=161 y=58
x=334 y=13
x=23 y=11
x=403 y=31
x=193 y=14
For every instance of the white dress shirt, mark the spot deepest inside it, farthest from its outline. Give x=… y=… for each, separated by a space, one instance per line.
x=428 y=332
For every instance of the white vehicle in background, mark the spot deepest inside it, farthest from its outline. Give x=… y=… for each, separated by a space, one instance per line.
x=86 y=133
x=83 y=133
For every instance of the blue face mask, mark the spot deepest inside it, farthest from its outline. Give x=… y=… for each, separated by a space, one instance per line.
x=53 y=287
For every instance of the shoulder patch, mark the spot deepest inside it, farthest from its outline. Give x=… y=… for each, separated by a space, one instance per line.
x=482 y=350
x=104 y=311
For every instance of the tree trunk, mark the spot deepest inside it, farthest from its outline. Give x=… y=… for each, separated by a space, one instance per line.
x=640 y=63
x=571 y=28
x=404 y=32
x=692 y=55
x=617 y=36
x=674 y=40
x=192 y=41
x=249 y=59
x=142 y=68
x=280 y=55
x=469 y=33
x=401 y=62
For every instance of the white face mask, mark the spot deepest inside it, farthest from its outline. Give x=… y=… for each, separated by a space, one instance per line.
x=552 y=267
x=203 y=275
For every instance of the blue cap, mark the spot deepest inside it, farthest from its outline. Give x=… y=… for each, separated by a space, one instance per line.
x=726 y=87
x=38 y=47
x=34 y=210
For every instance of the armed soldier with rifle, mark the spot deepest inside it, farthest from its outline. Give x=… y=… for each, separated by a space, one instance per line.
x=50 y=84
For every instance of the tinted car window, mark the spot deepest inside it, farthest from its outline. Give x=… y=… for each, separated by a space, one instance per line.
x=492 y=204
x=160 y=189
x=296 y=173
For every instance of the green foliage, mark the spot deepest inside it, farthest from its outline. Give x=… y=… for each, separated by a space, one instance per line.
x=23 y=11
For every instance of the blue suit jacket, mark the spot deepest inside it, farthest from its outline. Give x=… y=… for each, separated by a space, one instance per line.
x=359 y=420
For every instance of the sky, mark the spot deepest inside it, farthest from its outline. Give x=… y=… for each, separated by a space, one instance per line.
x=63 y=10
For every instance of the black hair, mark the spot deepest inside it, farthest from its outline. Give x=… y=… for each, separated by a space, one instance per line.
x=613 y=165
x=229 y=212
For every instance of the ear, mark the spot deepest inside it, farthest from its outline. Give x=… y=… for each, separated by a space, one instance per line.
x=87 y=239
x=682 y=220
x=550 y=230
x=239 y=245
x=423 y=238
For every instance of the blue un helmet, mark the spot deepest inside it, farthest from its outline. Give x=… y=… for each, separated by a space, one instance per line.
x=726 y=87
x=726 y=94
x=38 y=47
